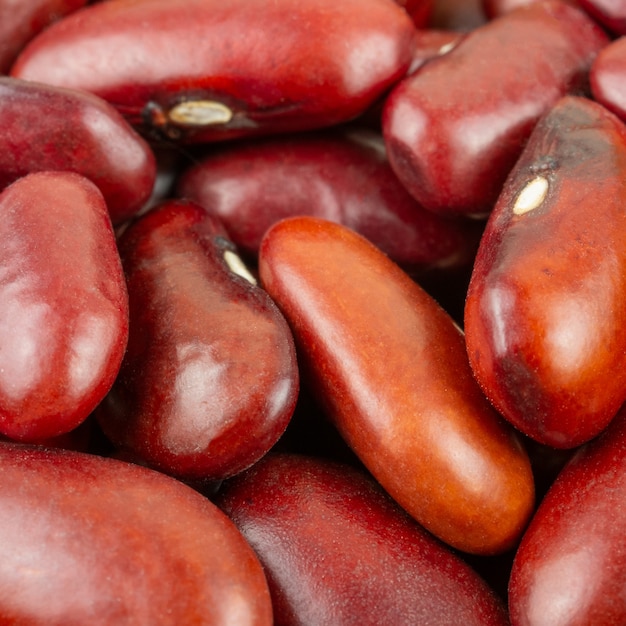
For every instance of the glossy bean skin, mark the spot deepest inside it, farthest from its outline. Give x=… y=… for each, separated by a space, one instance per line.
x=610 y=13
x=571 y=564
x=91 y=540
x=337 y=550
x=52 y=128
x=608 y=76
x=302 y=64
x=63 y=304
x=341 y=176
x=209 y=380
x=20 y=21
x=496 y=8
x=455 y=128
x=545 y=311
x=390 y=369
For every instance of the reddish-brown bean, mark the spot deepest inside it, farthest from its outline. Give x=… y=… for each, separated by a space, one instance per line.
x=343 y=176
x=91 y=540
x=608 y=77
x=63 y=304
x=545 y=315
x=51 y=128
x=455 y=128
x=21 y=20
x=610 y=13
x=337 y=550
x=390 y=368
x=240 y=67
x=570 y=568
x=209 y=380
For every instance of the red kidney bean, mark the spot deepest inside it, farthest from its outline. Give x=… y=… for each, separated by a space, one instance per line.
x=545 y=309
x=455 y=128
x=301 y=64
x=419 y=10
x=338 y=175
x=431 y=43
x=209 y=380
x=337 y=550
x=571 y=564
x=390 y=368
x=63 y=304
x=21 y=20
x=608 y=77
x=51 y=128
x=89 y=540
x=609 y=13
x=496 y=8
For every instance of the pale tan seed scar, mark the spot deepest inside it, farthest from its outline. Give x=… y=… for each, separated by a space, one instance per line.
x=531 y=196
x=237 y=266
x=199 y=113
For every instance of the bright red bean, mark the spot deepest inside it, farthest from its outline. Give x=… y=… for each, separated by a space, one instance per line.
x=455 y=128
x=571 y=565
x=337 y=550
x=545 y=316
x=63 y=304
x=208 y=69
x=390 y=368
x=343 y=176
x=209 y=380
x=51 y=128
x=89 y=540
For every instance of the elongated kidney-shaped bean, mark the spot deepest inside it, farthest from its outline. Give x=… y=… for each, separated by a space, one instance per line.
x=90 y=540
x=344 y=177
x=63 y=304
x=455 y=128
x=51 y=128
x=571 y=565
x=207 y=69
x=209 y=381
x=390 y=367
x=337 y=550
x=545 y=315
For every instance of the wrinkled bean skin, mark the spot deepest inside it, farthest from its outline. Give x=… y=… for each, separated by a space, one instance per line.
x=337 y=550
x=545 y=309
x=209 y=380
x=91 y=540
x=390 y=369
x=63 y=304
x=456 y=127
x=301 y=64
x=51 y=128
x=343 y=177
x=21 y=20
x=608 y=77
x=571 y=564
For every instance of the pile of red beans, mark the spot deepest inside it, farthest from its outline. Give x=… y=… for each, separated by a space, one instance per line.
x=313 y=313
